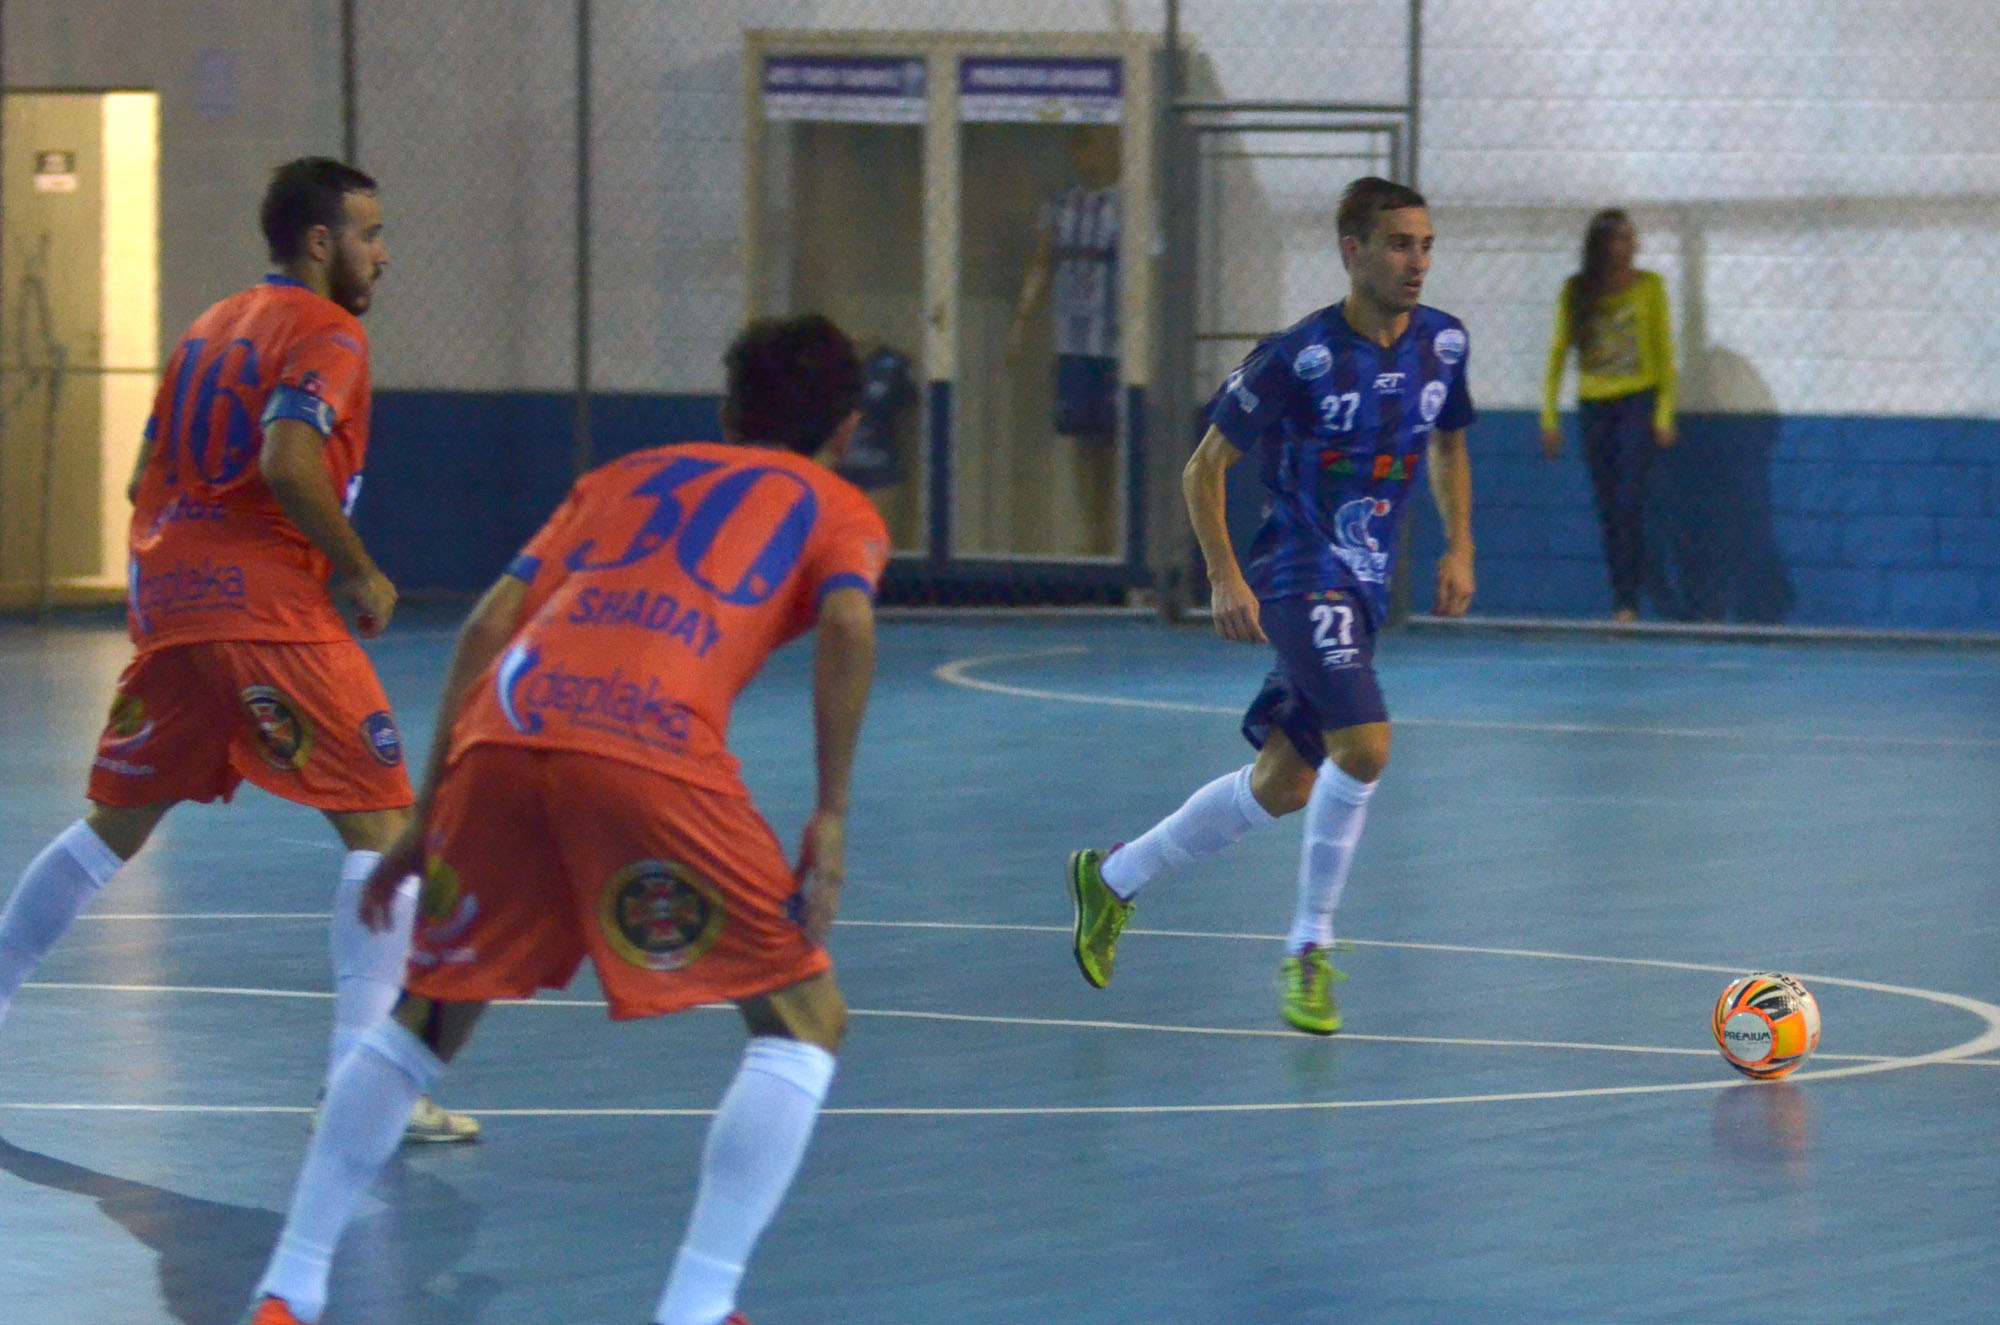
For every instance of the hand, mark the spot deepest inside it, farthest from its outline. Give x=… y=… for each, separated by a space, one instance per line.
x=821 y=872
x=373 y=598
x=1454 y=594
x=1664 y=437
x=1552 y=442
x=404 y=857
x=1235 y=610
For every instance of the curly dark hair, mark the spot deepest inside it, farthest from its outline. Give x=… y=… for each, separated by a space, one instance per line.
x=302 y=194
x=791 y=382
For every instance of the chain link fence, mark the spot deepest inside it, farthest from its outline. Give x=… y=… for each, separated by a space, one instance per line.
x=577 y=188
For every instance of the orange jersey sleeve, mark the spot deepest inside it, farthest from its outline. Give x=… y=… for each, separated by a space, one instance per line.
x=213 y=555
x=658 y=591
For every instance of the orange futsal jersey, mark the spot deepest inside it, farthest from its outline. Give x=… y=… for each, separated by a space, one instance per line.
x=213 y=556
x=658 y=590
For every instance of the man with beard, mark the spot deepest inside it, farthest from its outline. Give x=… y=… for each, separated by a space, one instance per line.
x=242 y=556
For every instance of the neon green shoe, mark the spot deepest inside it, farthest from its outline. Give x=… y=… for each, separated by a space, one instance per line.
x=1309 y=1001
x=1100 y=917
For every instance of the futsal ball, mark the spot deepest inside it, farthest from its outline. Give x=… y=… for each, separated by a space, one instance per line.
x=1766 y=1024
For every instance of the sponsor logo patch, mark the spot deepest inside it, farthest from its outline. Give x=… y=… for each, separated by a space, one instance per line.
x=660 y=915
x=637 y=708
x=1450 y=345
x=379 y=734
x=1314 y=361
x=284 y=736
x=1246 y=399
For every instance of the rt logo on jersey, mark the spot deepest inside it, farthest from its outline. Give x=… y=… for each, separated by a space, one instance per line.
x=1246 y=399
x=1354 y=540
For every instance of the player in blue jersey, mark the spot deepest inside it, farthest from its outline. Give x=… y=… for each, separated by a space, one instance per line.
x=1340 y=411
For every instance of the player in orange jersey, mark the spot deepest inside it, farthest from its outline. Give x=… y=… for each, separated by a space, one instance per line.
x=241 y=555
x=581 y=799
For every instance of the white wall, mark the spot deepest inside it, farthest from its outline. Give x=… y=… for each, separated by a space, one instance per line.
x=1817 y=178
x=242 y=87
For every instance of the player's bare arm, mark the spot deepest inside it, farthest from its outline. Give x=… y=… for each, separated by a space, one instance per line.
x=1204 y=486
x=843 y=671
x=296 y=474
x=1451 y=488
x=493 y=621
x=139 y=470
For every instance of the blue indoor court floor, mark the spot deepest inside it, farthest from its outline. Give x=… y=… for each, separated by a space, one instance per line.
x=1579 y=841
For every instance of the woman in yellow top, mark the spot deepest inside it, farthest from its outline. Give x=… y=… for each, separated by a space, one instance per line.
x=1616 y=316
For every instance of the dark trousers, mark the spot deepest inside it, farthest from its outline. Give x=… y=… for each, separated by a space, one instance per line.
x=1618 y=448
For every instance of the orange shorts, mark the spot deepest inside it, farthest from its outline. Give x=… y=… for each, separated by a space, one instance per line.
x=307 y=722
x=679 y=893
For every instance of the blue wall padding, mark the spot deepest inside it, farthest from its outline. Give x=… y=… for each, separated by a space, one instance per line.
x=457 y=481
x=1819 y=520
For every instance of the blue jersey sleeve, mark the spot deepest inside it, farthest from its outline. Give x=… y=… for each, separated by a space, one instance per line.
x=1253 y=398
x=1458 y=412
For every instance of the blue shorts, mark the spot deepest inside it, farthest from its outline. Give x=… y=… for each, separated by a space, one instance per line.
x=1325 y=677
x=1087 y=397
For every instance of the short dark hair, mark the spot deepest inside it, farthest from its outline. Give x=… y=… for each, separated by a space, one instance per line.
x=304 y=193
x=791 y=382
x=1367 y=198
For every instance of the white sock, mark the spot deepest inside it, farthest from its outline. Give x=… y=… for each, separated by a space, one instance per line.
x=754 y=1147
x=367 y=967
x=55 y=887
x=1213 y=818
x=361 y=1123
x=1335 y=812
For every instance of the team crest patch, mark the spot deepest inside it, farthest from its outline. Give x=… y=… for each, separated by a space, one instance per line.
x=1314 y=361
x=127 y=727
x=1431 y=402
x=444 y=912
x=379 y=734
x=284 y=736
x=659 y=915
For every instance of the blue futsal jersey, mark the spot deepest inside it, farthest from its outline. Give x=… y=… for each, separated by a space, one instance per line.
x=1339 y=426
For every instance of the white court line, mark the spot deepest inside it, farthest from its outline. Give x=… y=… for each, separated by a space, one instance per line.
x=959 y=673
x=206 y=915
x=1968 y=1052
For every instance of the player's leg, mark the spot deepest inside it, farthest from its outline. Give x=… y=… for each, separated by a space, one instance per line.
x=1335 y=814
x=61 y=880
x=1337 y=723
x=683 y=896
x=368 y=1104
x=492 y=923
x=368 y=965
x=163 y=741
x=756 y=1143
x=1102 y=885
x=311 y=724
